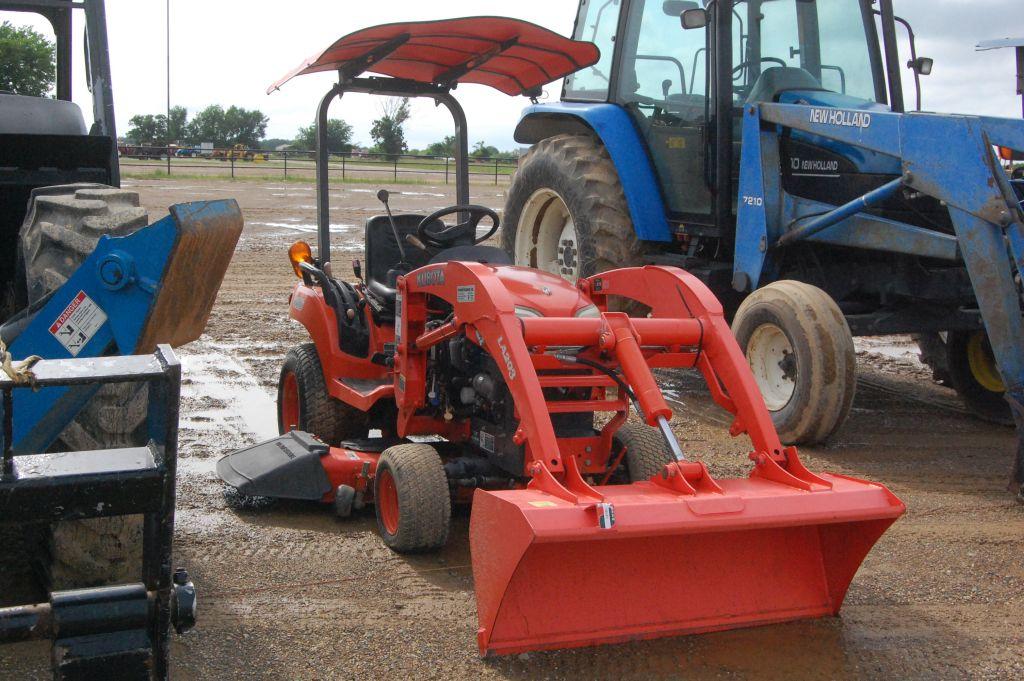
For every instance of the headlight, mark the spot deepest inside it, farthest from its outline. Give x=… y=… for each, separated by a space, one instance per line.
x=588 y=311
x=523 y=312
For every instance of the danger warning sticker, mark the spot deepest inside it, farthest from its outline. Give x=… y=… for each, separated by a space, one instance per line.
x=78 y=323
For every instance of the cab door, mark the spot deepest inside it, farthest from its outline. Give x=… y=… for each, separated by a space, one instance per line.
x=662 y=81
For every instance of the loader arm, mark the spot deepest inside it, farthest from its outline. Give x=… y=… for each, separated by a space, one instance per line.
x=963 y=172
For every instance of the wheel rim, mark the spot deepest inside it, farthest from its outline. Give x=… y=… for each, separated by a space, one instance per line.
x=982 y=362
x=289 y=403
x=546 y=236
x=387 y=500
x=771 y=358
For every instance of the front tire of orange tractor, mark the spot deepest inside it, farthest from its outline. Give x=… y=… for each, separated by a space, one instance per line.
x=646 y=452
x=304 y=404
x=412 y=500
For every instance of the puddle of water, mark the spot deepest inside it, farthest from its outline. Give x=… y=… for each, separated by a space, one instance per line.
x=420 y=194
x=215 y=376
x=899 y=348
x=198 y=467
x=303 y=226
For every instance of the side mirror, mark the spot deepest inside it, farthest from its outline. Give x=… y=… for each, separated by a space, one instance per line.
x=922 y=66
x=694 y=18
x=675 y=8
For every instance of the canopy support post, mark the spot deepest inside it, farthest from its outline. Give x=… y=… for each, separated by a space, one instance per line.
x=323 y=180
x=461 y=147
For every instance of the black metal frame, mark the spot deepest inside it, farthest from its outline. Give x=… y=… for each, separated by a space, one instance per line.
x=133 y=620
x=385 y=87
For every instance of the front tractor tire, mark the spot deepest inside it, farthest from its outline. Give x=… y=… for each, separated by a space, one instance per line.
x=304 y=404
x=566 y=213
x=800 y=350
x=411 y=498
x=646 y=451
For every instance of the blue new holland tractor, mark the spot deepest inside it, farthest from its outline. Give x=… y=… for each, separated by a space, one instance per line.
x=764 y=146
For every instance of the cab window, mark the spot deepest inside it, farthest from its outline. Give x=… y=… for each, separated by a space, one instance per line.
x=663 y=68
x=596 y=22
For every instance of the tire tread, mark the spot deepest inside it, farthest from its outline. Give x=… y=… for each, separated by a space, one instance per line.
x=424 y=498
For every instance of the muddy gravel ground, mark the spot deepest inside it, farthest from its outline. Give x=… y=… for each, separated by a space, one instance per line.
x=290 y=592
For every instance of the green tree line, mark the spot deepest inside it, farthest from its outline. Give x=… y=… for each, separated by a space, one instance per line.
x=235 y=125
x=223 y=127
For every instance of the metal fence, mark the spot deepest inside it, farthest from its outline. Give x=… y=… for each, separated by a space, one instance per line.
x=294 y=164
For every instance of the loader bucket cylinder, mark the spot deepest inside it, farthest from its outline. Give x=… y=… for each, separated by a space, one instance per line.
x=548 y=575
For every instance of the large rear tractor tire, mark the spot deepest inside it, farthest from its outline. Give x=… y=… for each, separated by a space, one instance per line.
x=800 y=349
x=646 y=451
x=566 y=213
x=412 y=500
x=304 y=404
x=61 y=229
x=63 y=226
x=975 y=377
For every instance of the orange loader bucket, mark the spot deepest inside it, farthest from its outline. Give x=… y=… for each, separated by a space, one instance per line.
x=745 y=552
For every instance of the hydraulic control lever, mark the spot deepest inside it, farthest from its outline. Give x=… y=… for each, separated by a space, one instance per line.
x=383 y=195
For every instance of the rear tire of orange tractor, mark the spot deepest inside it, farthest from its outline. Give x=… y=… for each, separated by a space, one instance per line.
x=646 y=451
x=411 y=497
x=303 y=403
x=800 y=349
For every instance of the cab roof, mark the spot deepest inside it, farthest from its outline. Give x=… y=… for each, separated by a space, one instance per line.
x=510 y=55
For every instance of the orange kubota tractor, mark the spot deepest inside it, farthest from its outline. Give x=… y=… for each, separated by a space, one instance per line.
x=580 y=533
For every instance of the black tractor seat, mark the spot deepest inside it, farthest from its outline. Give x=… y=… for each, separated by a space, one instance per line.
x=383 y=256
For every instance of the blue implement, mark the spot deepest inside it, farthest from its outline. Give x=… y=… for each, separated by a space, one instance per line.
x=154 y=286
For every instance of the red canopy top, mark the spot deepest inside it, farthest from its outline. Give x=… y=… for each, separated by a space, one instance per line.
x=510 y=55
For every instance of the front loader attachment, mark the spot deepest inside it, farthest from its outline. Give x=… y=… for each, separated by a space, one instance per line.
x=565 y=562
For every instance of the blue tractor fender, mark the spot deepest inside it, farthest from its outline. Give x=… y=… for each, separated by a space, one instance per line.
x=614 y=128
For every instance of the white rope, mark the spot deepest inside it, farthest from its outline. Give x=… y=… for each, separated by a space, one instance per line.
x=19 y=372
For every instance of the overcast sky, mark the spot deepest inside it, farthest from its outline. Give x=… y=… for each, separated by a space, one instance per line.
x=228 y=51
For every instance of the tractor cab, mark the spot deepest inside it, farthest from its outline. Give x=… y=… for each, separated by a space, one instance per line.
x=684 y=70
x=429 y=60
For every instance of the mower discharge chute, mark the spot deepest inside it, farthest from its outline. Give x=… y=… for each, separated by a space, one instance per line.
x=583 y=530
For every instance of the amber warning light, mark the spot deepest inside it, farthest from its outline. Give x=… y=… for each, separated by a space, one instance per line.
x=299 y=253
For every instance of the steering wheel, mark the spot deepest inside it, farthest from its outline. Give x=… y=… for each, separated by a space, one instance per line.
x=442 y=238
x=750 y=62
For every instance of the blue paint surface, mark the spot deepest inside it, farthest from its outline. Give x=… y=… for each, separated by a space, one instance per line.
x=126 y=302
